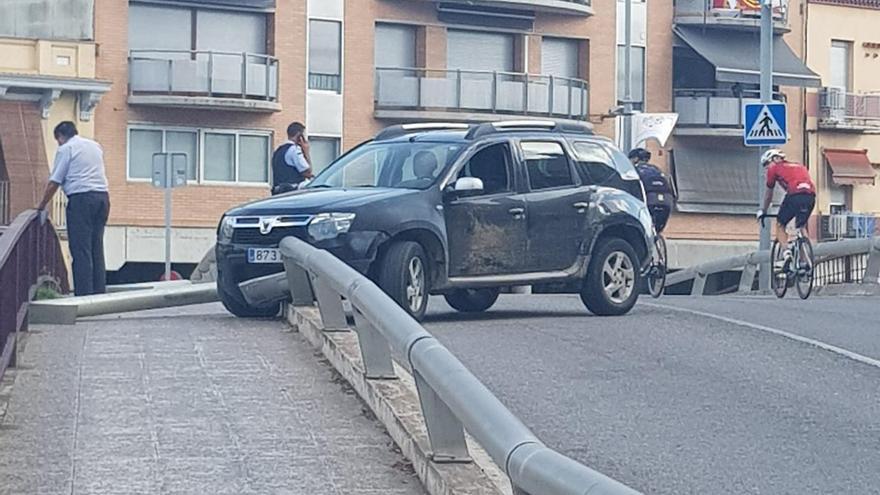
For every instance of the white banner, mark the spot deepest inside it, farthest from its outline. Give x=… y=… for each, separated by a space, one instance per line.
x=656 y=126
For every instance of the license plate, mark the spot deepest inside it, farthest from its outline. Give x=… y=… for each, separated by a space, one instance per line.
x=263 y=255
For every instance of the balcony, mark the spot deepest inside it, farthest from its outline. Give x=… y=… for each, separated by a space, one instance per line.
x=433 y=94
x=729 y=13
x=713 y=112
x=204 y=79
x=575 y=7
x=842 y=110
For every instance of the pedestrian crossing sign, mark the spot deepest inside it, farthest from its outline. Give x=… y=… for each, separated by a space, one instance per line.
x=765 y=124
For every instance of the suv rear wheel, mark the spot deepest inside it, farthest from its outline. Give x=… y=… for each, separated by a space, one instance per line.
x=233 y=300
x=472 y=300
x=611 y=286
x=403 y=275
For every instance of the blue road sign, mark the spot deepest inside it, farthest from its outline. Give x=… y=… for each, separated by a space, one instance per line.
x=765 y=124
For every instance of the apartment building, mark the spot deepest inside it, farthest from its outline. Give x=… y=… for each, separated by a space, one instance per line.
x=842 y=136
x=716 y=70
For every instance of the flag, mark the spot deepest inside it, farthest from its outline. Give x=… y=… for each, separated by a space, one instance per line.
x=657 y=126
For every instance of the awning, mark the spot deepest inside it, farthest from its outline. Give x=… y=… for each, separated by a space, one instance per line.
x=850 y=167
x=736 y=56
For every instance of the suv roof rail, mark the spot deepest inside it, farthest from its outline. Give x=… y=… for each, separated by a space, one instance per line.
x=404 y=129
x=530 y=125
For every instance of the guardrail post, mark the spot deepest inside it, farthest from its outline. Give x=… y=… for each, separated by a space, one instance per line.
x=301 y=293
x=699 y=284
x=747 y=279
x=872 y=271
x=375 y=351
x=330 y=306
x=445 y=431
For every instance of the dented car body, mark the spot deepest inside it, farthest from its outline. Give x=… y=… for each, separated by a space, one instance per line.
x=462 y=211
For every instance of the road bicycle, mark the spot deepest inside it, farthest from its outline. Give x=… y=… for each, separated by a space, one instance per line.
x=796 y=270
x=656 y=275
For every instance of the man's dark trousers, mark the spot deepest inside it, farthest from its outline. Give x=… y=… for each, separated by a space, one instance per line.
x=86 y=217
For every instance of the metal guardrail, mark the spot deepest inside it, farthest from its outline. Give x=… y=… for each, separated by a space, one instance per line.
x=452 y=398
x=30 y=255
x=481 y=91
x=749 y=264
x=203 y=73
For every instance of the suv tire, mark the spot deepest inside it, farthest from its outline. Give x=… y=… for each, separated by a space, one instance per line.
x=403 y=275
x=472 y=300
x=612 y=284
x=233 y=300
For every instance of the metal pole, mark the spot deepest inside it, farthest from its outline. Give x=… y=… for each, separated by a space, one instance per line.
x=766 y=97
x=168 y=216
x=627 y=78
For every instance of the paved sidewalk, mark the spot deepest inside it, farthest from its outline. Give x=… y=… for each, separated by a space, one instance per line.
x=188 y=401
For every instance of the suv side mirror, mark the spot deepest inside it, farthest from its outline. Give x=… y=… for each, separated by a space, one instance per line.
x=466 y=186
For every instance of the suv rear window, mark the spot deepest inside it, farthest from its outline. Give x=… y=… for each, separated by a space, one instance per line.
x=547 y=165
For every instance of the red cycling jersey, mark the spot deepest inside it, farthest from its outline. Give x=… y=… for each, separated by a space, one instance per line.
x=793 y=177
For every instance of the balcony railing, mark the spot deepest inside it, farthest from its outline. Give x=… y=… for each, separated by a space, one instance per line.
x=446 y=90
x=728 y=12
x=4 y=203
x=837 y=107
x=720 y=108
x=213 y=74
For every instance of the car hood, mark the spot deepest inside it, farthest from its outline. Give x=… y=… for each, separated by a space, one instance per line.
x=319 y=201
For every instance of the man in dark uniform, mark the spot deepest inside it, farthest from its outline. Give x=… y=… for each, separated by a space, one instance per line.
x=660 y=194
x=291 y=162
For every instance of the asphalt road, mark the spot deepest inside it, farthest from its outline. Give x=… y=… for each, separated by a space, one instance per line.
x=691 y=396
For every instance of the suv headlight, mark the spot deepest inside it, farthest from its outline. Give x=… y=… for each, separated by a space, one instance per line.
x=330 y=225
x=224 y=233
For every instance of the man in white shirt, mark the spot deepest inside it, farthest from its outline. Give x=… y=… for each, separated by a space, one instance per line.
x=291 y=162
x=79 y=170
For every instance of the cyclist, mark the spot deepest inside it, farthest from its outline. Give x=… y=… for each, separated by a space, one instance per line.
x=660 y=195
x=800 y=194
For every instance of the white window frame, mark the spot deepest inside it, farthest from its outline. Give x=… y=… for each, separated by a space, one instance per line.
x=339 y=151
x=200 y=133
x=341 y=54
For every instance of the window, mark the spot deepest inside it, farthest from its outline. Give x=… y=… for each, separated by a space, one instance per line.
x=547 y=165
x=395 y=46
x=474 y=50
x=211 y=156
x=152 y=27
x=593 y=160
x=323 y=150
x=492 y=166
x=638 y=75
x=559 y=57
x=325 y=55
x=840 y=65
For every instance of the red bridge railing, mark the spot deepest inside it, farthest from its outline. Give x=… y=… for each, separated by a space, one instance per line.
x=30 y=256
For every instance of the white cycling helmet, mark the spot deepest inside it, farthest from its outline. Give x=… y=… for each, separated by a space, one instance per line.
x=769 y=155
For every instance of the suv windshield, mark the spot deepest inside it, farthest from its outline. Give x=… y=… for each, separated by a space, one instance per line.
x=407 y=165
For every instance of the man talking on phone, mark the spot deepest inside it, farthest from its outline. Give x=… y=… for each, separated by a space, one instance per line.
x=291 y=162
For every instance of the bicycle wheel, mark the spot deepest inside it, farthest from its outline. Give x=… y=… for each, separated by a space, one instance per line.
x=657 y=276
x=805 y=268
x=778 y=277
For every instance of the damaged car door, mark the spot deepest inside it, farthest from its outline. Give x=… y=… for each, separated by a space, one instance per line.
x=486 y=216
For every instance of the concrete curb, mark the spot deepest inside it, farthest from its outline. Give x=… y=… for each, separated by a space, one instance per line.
x=395 y=403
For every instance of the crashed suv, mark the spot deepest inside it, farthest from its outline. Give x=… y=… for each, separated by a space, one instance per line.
x=462 y=211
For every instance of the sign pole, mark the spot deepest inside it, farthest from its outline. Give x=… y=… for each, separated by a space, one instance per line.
x=168 y=179
x=627 y=78
x=766 y=97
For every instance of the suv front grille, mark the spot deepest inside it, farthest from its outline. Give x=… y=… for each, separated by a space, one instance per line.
x=253 y=236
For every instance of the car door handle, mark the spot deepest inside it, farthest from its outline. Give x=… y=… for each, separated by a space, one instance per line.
x=516 y=211
x=581 y=206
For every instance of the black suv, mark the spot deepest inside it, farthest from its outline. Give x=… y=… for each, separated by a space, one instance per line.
x=463 y=211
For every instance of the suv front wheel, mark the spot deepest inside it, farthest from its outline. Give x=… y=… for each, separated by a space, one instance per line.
x=611 y=286
x=403 y=275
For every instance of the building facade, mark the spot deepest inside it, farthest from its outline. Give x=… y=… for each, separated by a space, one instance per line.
x=842 y=137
